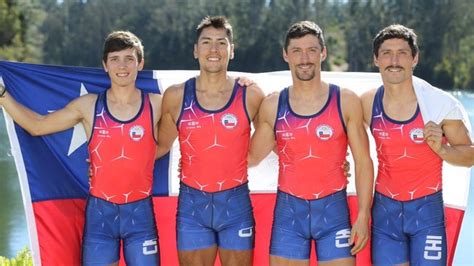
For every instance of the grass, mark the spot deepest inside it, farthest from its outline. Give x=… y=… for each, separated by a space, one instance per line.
x=23 y=258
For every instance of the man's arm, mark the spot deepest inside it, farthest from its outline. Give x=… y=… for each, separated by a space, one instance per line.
x=458 y=150
x=59 y=120
x=170 y=109
x=263 y=139
x=364 y=171
x=254 y=98
x=156 y=100
x=367 y=100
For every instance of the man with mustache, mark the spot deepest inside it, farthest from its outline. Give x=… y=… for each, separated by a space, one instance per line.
x=311 y=123
x=408 y=224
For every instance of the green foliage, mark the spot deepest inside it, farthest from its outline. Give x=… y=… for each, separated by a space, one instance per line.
x=23 y=258
x=19 y=36
x=73 y=31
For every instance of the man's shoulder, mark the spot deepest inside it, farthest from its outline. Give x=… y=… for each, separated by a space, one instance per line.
x=368 y=96
x=86 y=100
x=173 y=95
x=174 y=89
x=271 y=100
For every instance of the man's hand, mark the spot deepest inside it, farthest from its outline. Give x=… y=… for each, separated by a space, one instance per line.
x=3 y=90
x=346 y=166
x=433 y=135
x=91 y=173
x=244 y=81
x=359 y=233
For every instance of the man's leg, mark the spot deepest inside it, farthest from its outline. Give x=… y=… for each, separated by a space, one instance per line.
x=235 y=226
x=291 y=240
x=389 y=243
x=139 y=233
x=196 y=240
x=198 y=257
x=331 y=228
x=236 y=257
x=100 y=241
x=426 y=224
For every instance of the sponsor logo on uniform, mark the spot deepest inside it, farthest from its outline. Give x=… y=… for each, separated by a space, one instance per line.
x=416 y=135
x=150 y=247
x=324 y=132
x=229 y=121
x=287 y=135
x=246 y=232
x=136 y=133
x=433 y=248
x=342 y=238
x=103 y=133
x=383 y=135
x=192 y=124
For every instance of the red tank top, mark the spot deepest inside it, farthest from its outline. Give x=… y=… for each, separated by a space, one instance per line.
x=408 y=169
x=122 y=153
x=311 y=149
x=214 y=144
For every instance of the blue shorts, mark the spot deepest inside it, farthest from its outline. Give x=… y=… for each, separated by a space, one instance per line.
x=408 y=231
x=297 y=222
x=108 y=224
x=223 y=218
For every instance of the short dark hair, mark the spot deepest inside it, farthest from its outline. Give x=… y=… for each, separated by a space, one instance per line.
x=303 y=28
x=121 y=40
x=396 y=31
x=218 y=22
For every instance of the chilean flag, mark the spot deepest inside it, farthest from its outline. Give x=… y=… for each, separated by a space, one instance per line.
x=53 y=171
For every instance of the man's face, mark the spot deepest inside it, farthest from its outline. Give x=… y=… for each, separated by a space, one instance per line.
x=395 y=61
x=122 y=67
x=304 y=56
x=213 y=50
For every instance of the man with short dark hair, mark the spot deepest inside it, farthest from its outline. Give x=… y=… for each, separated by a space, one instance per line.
x=312 y=123
x=122 y=120
x=408 y=223
x=211 y=114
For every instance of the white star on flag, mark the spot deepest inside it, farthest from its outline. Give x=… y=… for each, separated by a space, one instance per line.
x=79 y=133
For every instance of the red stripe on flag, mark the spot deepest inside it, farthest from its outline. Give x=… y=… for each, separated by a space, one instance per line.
x=60 y=225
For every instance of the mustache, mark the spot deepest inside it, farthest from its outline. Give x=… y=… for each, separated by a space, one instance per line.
x=395 y=67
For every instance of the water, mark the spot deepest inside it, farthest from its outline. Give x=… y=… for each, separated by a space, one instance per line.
x=13 y=231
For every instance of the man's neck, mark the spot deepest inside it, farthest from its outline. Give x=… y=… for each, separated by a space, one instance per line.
x=123 y=94
x=399 y=92
x=311 y=88
x=213 y=81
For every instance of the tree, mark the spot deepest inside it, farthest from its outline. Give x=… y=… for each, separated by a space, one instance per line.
x=19 y=35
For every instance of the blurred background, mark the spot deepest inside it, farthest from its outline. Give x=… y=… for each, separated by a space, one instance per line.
x=71 y=32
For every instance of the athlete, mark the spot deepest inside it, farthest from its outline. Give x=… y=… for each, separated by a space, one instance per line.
x=408 y=223
x=211 y=115
x=311 y=123
x=121 y=125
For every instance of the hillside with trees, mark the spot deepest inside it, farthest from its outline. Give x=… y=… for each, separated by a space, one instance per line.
x=71 y=32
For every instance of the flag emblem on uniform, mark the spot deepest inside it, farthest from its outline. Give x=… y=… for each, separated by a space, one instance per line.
x=229 y=121
x=324 y=132
x=416 y=135
x=136 y=133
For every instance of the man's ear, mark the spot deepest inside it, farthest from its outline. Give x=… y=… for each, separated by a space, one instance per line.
x=285 y=55
x=231 y=52
x=195 y=52
x=324 y=54
x=376 y=62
